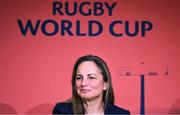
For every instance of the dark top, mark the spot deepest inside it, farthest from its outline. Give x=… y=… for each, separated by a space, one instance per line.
x=66 y=108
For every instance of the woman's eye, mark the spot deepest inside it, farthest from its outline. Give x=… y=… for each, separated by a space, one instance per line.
x=92 y=77
x=78 y=78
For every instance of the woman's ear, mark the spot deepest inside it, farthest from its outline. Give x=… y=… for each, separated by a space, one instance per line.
x=105 y=86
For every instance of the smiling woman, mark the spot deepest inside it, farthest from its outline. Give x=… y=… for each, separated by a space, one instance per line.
x=92 y=91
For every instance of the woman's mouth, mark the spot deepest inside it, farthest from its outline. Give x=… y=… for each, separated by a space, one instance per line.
x=84 y=90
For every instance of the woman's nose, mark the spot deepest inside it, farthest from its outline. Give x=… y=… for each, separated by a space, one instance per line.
x=84 y=82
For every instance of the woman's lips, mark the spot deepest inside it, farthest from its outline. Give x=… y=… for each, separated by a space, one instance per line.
x=84 y=90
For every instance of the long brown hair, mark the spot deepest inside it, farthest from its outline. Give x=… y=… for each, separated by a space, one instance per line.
x=108 y=95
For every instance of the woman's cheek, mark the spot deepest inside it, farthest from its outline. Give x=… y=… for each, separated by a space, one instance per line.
x=77 y=84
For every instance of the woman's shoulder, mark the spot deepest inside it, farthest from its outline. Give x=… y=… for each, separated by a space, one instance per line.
x=113 y=109
x=63 y=108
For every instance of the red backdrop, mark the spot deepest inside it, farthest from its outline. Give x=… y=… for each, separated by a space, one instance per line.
x=35 y=71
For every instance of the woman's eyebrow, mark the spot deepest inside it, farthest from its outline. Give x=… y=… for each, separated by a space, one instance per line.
x=92 y=74
x=79 y=75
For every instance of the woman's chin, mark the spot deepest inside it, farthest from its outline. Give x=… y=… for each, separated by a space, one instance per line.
x=89 y=97
x=86 y=97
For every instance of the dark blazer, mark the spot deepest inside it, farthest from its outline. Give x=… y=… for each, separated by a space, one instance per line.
x=66 y=108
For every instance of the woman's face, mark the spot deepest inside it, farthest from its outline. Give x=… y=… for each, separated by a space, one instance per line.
x=89 y=81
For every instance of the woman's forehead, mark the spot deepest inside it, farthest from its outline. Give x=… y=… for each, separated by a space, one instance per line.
x=88 y=67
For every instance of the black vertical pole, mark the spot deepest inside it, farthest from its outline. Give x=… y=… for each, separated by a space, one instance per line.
x=142 y=106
